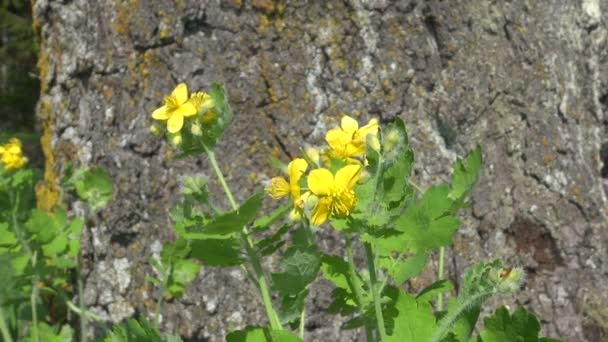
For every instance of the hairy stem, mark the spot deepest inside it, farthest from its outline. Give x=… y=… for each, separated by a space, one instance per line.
x=15 y=201
x=440 y=277
x=275 y=322
x=159 y=305
x=6 y=336
x=445 y=324
x=374 y=288
x=80 y=312
x=83 y=318
x=33 y=301
x=354 y=280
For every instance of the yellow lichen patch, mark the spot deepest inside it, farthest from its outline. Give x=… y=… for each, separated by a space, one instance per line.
x=123 y=16
x=267 y=6
x=264 y=23
x=47 y=191
x=43 y=71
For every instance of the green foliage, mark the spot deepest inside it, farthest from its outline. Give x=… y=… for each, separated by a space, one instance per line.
x=175 y=269
x=140 y=330
x=211 y=131
x=380 y=211
x=256 y=334
x=48 y=333
x=521 y=326
x=92 y=185
x=466 y=174
x=415 y=320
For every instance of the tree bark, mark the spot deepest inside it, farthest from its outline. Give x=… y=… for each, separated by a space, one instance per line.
x=528 y=80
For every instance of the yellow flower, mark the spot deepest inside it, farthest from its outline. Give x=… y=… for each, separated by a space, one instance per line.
x=280 y=188
x=12 y=155
x=348 y=140
x=176 y=107
x=336 y=194
x=201 y=101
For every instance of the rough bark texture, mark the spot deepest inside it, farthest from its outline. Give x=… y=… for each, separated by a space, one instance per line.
x=528 y=80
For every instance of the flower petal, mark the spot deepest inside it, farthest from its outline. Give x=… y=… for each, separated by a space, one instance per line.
x=160 y=113
x=187 y=109
x=349 y=125
x=180 y=93
x=278 y=188
x=321 y=212
x=370 y=128
x=348 y=176
x=337 y=141
x=319 y=181
x=175 y=123
x=296 y=169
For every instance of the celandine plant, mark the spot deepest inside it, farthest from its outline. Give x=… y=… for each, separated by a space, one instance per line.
x=40 y=252
x=360 y=185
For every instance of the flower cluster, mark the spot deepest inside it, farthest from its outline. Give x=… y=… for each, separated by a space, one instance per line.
x=327 y=193
x=180 y=110
x=11 y=155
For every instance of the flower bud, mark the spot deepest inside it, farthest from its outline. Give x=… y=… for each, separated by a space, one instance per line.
x=391 y=140
x=155 y=130
x=374 y=142
x=176 y=140
x=195 y=129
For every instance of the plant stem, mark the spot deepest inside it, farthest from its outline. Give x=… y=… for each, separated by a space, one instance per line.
x=6 y=336
x=452 y=316
x=440 y=277
x=80 y=312
x=302 y=322
x=372 y=285
x=159 y=304
x=83 y=318
x=275 y=322
x=33 y=300
x=14 y=197
x=356 y=284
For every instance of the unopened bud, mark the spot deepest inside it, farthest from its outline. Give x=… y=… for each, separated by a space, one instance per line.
x=176 y=140
x=373 y=142
x=195 y=129
x=155 y=130
x=391 y=140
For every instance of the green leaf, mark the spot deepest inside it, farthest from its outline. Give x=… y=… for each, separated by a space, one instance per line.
x=264 y=222
x=432 y=291
x=257 y=334
x=292 y=306
x=300 y=267
x=521 y=326
x=335 y=269
x=414 y=322
x=466 y=174
x=8 y=240
x=427 y=225
x=463 y=327
x=185 y=271
x=94 y=186
x=56 y=246
x=140 y=330
x=404 y=269
x=217 y=252
x=48 y=333
x=271 y=242
x=226 y=225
